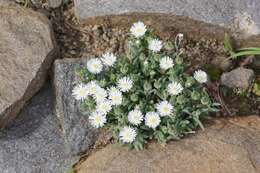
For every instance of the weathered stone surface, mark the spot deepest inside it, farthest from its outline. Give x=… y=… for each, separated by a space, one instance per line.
x=27 y=49
x=32 y=143
x=238 y=78
x=226 y=146
x=79 y=134
x=55 y=3
x=244 y=14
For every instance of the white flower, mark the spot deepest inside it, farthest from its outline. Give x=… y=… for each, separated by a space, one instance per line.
x=155 y=45
x=152 y=119
x=97 y=119
x=108 y=59
x=125 y=84
x=92 y=87
x=100 y=94
x=200 y=76
x=164 y=108
x=138 y=29
x=166 y=63
x=175 y=88
x=94 y=66
x=80 y=92
x=135 y=117
x=115 y=96
x=180 y=36
x=127 y=134
x=104 y=107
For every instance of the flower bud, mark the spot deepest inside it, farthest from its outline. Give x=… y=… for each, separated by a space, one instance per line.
x=205 y=101
x=112 y=77
x=152 y=73
x=196 y=113
x=147 y=86
x=124 y=69
x=168 y=45
x=189 y=82
x=102 y=83
x=181 y=99
x=157 y=84
x=178 y=60
x=134 y=97
x=137 y=42
x=195 y=95
x=142 y=57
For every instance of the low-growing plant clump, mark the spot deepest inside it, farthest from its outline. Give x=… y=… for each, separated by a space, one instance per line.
x=144 y=94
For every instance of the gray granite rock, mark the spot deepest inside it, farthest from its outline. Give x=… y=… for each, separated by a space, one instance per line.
x=32 y=143
x=55 y=3
x=27 y=50
x=242 y=14
x=78 y=133
x=238 y=78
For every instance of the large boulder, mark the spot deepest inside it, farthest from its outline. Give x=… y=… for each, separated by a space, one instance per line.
x=32 y=143
x=242 y=14
x=79 y=135
x=226 y=146
x=27 y=49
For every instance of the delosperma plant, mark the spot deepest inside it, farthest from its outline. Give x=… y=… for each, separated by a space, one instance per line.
x=144 y=94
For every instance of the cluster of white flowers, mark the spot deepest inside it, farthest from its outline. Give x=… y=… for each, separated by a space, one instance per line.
x=95 y=65
x=107 y=99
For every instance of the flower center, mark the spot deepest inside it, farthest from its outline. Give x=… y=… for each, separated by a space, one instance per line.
x=139 y=30
x=153 y=120
x=95 y=66
x=82 y=92
x=165 y=109
x=98 y=119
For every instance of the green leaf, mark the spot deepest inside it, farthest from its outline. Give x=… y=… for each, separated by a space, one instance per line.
x=250 y=49
x=227 y=44
x=244 y=53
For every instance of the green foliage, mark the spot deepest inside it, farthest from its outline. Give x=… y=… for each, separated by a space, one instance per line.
x=256 y=88
x=149 y=88
x=241 y=52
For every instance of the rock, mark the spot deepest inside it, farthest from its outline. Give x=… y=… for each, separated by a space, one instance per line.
x=27 y=49
x=244 y=23
x=226 y=146
x=221 y=12
x=79 y=134
x=238 y=78
x=32 y=143
x=54 y=3
x=256 y=63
